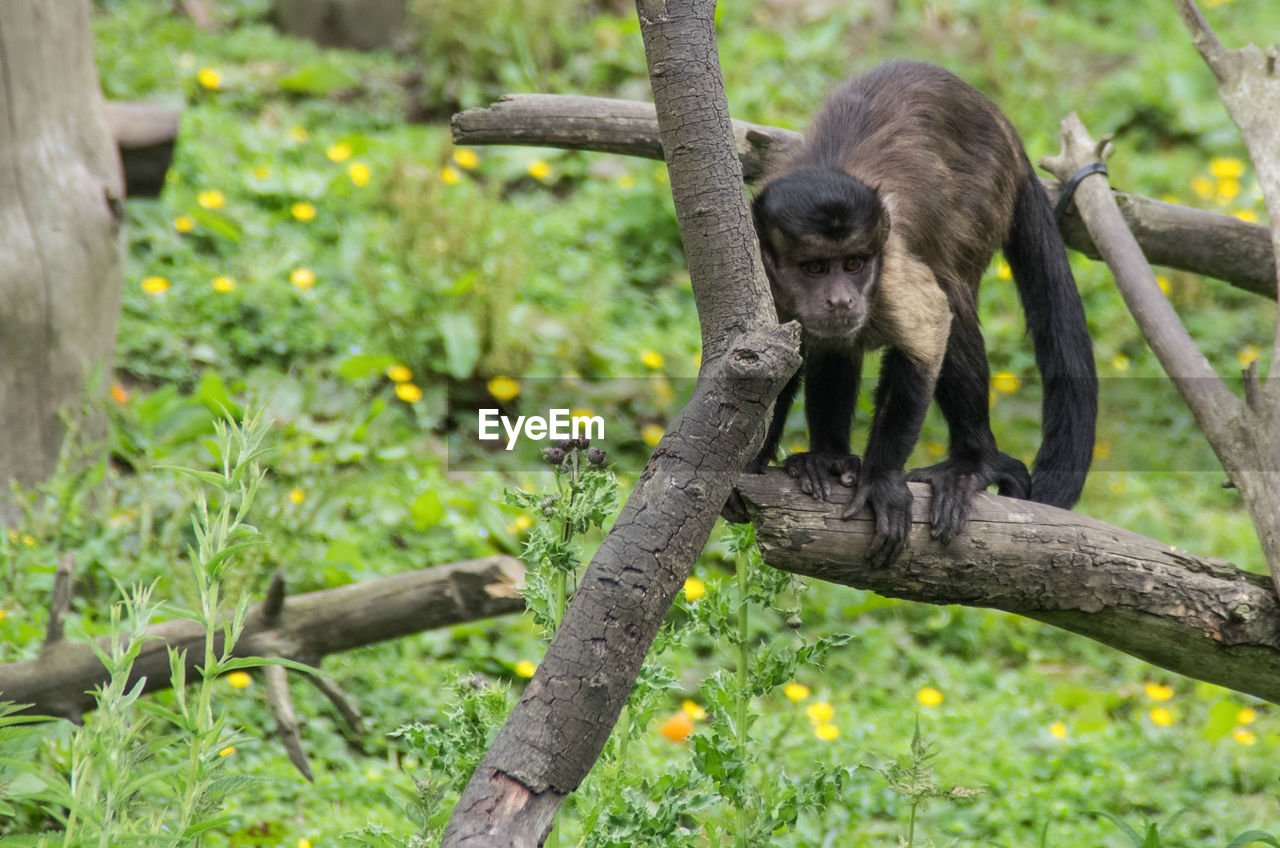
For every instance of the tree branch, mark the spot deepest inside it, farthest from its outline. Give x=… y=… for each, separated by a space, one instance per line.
x=59 y=681
x=1199 y=617
x=1206 y=243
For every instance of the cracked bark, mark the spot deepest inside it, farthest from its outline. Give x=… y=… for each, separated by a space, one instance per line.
x=567 y=711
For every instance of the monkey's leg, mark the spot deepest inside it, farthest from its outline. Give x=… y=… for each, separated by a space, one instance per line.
x=902 y=398
x=831 y=390
x=975 y=462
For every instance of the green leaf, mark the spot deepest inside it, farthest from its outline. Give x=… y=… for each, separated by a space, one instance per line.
x=461 y=343
x=426 y=510
x=361 y=366
x=1249 y=837
x=320 y=78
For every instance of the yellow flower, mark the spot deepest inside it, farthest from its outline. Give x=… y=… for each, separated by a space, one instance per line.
x=449 y=176
x=399 y=374
x=1202 y=186
x=1246 y=355
x=1244 y=736
x=934 y=448
x=261 y=172
x=223 y=283
x=239 y=679
x=693 y=710
x=1161 y=717
x=1120 y=362
x=826 y=732
x=1228 y=189
x=652 y=434
x=1158 y=692
x=1102 y=450
x=1058 y=730
x=929 y=696
x=211 y=199
x=359 y=173
x=626 y=181
x=678 y=728
x=1247 y=215
x=820 y=712
x=1226 y=168
x=303 y=211
x=184 y=223
x=297 y=496
x=521 y=524
x=694 y=589
x=209 y=78
x=539 y=170
x=299 y=135
x=408 y=392
x=503 y=388
x=339 y=152
x=155 y=285
x=304 y=842
x=1003 y=381
x=466 y=159
x=227 y=751
x=1003 y=271
x=302 y=278
x=652 y=359
x=1163 y=282
x=119 y=393
x=28 y=540
x=796 y=691
x=1246 y=716
x=526 y=668
x=582 y=412
x=1170 y=198
x=3 y=613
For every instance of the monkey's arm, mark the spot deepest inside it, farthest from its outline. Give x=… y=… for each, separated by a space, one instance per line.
x=831 y=390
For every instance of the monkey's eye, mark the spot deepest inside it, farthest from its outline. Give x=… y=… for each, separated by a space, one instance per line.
x=852 y=263
x=816 y=268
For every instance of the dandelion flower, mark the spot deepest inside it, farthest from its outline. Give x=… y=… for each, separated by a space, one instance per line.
x=652 y=360
x=1003 y=381
x=302 y=278
x=1247 y=354
x=929 y=696
x=520 y=524
x=303 y=211
x=1058 y=730
x=1161 y=717
x=466 y=159
x=678 y=728
x=503 y=388
x=239 y=679
x=223 y=283
x=1244 y=736
x=539 y=170
x=155 y=285
x=1247 y=215
x=299 y=135
x=1163 y=282
x=297 y=496
x=626 y=181
x=184 y=223
x=261 y=172
x=1203 y=187
x=1003 y=271
x=693 y=710
x=450 y=176
x=694 y=589
x=652 y=434
x=826 y=732
x=399 y=374
x=1158 y=692
x=359 y=174
x=526 y=668
x=339 y=152
x=1120 y=362
x=820 y=712
x=1228 y=189
x=1246 y=716
x=796 y=691
x=211 y=199
x=408 y=392
x=209 y=78
x=1226 y=168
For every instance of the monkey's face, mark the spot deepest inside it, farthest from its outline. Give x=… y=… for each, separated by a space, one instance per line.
x=826 y=286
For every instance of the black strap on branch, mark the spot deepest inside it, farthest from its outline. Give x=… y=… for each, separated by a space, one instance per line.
x=1069 y=190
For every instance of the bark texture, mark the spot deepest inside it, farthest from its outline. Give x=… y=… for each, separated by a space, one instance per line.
x=60 y=213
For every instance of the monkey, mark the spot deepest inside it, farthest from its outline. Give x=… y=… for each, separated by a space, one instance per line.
x=874 y=233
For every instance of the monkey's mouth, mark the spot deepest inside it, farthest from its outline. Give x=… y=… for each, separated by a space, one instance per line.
x=835 y=326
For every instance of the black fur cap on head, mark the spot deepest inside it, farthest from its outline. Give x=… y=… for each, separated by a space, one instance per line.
x=820 y=202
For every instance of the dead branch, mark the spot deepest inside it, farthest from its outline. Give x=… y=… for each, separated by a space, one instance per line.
x=1203 y=618
x=145 y=135
x=1206 y=243
x=59 y=681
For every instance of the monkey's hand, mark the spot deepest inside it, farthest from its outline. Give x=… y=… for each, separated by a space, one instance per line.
x=955 y=481
x=887 y=494
x=815 y=470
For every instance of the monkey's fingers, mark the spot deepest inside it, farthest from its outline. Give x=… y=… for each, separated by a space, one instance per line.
x=890 y=502
x=811 y=471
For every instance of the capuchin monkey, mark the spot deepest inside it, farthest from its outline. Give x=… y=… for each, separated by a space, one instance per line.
x=875 y=233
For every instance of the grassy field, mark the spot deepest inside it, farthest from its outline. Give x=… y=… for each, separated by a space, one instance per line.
x=317 y=254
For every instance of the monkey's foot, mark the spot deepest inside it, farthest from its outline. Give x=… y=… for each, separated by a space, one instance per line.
x=955 y=481
x=814 y=470
x=890 y=501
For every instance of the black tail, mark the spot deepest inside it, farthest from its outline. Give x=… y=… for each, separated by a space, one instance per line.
x=1064 y=351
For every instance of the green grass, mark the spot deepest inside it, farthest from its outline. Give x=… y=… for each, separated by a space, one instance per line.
x=564 y=271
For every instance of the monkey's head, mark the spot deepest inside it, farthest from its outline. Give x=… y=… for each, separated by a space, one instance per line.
x=822 y=233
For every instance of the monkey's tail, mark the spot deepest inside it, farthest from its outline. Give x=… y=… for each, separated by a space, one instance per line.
x=1064 y=350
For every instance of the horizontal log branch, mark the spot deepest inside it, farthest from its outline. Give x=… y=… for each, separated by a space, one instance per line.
x=145 y=135
x=305 y=628
x=1202 y=618
x=1206 y=243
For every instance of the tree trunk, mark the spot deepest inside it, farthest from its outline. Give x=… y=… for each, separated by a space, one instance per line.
x=60 y=213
